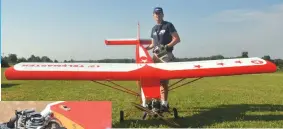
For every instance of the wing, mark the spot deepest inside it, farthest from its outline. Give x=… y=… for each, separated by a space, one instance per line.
x=138 y=71
x=73 y=71
x=212 y=68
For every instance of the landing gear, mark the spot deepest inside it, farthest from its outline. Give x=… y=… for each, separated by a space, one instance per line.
x=149 y=110
x=153 y=110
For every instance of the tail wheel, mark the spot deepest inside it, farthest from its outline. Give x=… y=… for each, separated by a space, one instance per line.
x=121 y=116
x=175 y=112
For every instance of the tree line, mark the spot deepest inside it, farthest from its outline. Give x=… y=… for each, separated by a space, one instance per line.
x=13 y=59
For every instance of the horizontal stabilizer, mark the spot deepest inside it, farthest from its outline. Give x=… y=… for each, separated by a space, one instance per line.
x=127 y=41
x=138 y=71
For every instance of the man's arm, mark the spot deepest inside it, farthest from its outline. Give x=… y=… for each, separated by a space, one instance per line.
x=174 y=34
x=152 y=41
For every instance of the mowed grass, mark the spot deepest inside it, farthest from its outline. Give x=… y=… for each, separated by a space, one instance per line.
x=221 y=102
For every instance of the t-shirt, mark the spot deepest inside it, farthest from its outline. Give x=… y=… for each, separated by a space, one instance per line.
x=164 y=37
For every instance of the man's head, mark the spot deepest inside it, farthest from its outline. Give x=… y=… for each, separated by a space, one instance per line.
x=158 y=14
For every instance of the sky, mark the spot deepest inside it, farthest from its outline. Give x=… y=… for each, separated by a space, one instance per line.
x=76 y=29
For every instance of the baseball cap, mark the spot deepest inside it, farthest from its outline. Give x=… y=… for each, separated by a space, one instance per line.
x=158 y=10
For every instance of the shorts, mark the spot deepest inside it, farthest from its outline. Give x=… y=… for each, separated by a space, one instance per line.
x=168 y=57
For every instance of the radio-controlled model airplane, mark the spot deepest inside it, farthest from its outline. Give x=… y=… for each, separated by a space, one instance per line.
x=144 y=71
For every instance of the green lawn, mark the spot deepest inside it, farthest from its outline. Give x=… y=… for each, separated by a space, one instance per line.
x=234 y=101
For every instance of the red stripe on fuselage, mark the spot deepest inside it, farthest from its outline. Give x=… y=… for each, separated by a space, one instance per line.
x=150 y=86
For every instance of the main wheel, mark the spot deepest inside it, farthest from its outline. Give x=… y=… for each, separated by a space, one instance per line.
x=121 y=116
x=175 y=113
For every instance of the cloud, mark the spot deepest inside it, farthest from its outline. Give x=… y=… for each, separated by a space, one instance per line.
x=234 y=16
x=247 y=15
x=258 y=31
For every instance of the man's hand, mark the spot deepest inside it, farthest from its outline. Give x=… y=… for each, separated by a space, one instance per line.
x=150 y=46
x=167 y=48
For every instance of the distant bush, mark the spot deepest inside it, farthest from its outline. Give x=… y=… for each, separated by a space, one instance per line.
x=4 y=63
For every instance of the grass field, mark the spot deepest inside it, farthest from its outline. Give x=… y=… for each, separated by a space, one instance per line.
x=234 y=101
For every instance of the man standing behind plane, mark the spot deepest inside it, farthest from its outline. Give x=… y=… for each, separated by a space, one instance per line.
x=164 y=38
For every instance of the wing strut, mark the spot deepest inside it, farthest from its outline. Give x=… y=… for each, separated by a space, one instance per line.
x=120 y=89
x=182 y=84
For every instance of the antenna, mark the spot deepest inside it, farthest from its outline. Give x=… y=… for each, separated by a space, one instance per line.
x=138 y=34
